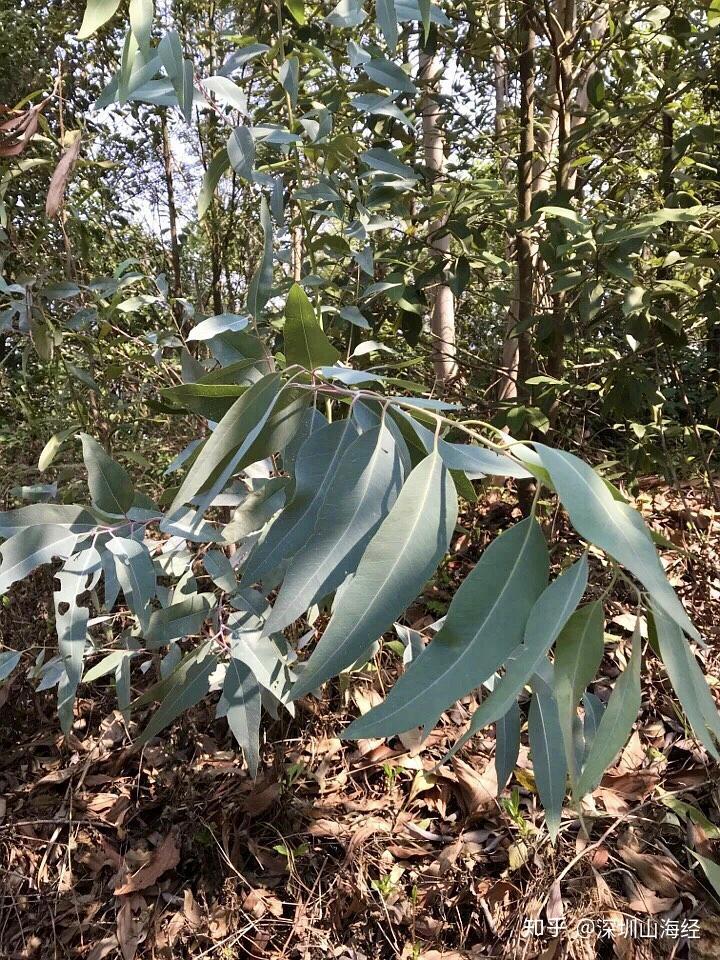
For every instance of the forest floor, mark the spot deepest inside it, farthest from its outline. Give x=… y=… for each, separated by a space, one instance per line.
x=359 y=850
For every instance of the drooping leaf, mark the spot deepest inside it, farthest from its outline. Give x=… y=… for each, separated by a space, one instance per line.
x=75 y=519
x=218 y=166
x=616 y=723
x=305 y=340
x=548 y=756
x=578 y=652
x=613 y=526
x=387 y=21
x=688 y=682
x=185 y=687
x=51 y=448
x=136 y=575
x=241 y=151
x=485 y=623
x=178 y=620
x=111 y=489
x=507 y=744
x=290 y=78
x=370 y=476
x=141 y=18
x=221 y=570
x=225 y=450
x=261 y=281
x=97 y=12
x=548 y=617
x=395 y=566
x=315 y=469
x=71 y=621
x=25 y=551
x=242 y=705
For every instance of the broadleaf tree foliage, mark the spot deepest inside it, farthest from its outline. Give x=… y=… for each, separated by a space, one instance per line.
x=343 y=482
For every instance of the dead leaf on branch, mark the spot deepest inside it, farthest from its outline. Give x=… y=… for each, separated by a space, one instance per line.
x=62 y=174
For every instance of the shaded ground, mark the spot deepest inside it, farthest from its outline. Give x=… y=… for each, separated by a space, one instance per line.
x=362 y=850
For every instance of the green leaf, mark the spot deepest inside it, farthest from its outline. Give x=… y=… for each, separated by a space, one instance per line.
x=397 y=563
x=297 y=11
x=220 y=570
x=317 y=464
x=49 y=451
x=507 y=744
x=688 y=682
x=290 y=78
x=386 y=162
x=181 y=619
x=578 y=652
x=97 y=12
x=713 y=13
x=136 y=575
x=305 y=340
x=185 y=687
x=227 y=92
x=241 y=704
x=226 y=449
x=241 y=151
x=111 y=489
x=141 y=18
x=9 y=659
x=485 y=623
x=548 y=757
x=548 y=617
x=218 y=166
x=613 y=526
x=260 y=505
x=369 y=476
x=29 y=549
x=387 y=21
x=261 y=281
x=71 y=622
x=710 y=868
x=388 y=74
x=473 y=460
x=221 y=323
x=105 y=666
x=74 y=519
x=616 y=724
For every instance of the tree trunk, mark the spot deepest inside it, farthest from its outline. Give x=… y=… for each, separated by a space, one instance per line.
x=175 y=275
x=442 y=316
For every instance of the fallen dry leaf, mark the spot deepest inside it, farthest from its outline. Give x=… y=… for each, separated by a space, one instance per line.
x=478 y=791
x=165 y=857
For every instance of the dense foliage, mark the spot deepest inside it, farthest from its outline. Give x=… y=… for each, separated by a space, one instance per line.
x=428 y=247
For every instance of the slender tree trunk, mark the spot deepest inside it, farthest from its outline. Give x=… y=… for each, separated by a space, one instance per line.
x=175 y=275
x=507 y=386
x=442 y=317
x=524 y=308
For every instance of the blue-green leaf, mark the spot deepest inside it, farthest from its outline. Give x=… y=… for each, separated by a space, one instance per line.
x=241 y=704
x=315 y=470
x=305 y=340
x=397 y=563
x=111 y=489
x=548 y=756
x=616 y=723
x=485 y=623
x=613 y=526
